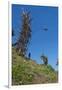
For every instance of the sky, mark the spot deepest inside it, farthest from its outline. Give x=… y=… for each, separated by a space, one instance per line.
x=42 y=42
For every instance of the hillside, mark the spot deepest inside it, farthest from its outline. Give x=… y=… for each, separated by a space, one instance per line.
x=25 y=71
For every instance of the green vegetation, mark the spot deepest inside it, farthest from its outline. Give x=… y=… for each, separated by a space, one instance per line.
x=25 y=71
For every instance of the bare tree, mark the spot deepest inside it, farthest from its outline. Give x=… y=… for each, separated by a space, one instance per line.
x=25 y=34
x=12 y=32
x=57 y=62
x=45 y=59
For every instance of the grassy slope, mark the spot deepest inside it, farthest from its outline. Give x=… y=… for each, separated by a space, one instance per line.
x=29 y=72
